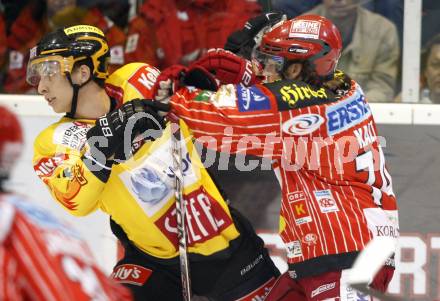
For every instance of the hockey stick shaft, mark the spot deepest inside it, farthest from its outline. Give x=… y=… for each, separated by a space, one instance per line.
x=180 y=210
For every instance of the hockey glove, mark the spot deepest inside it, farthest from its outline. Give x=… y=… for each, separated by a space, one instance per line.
x=227 y=67
x=199 y=77
x=121 y=126
x=168 y=82
x=242 y=41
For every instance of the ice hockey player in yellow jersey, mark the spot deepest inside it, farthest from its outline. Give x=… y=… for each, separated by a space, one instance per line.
x=86 y=165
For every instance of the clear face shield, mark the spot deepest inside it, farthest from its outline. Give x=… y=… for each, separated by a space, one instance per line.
x=47 y=67
x=271 y=66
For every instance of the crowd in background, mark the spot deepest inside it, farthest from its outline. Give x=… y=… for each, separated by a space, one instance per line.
x=166 y=32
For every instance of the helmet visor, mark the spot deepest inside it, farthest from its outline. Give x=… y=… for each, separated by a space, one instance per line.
x=48 y=66
x=270 y=63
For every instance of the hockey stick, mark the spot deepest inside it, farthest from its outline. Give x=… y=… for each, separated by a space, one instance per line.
x=368 y=263
x=180 y=210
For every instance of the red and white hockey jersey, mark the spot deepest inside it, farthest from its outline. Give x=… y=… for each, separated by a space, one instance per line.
x=42 y=259
x=336 y=191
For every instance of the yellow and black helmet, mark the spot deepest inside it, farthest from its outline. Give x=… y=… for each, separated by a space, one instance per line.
x=59 y=50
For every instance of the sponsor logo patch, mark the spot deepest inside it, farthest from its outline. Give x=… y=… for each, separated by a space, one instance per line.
x=204 y=218
x=71 y=134
x=294 y=249
x=306 y=29
x=143 y=80
x=46 y=166
x=293 y=93
x=148 y=186
x=326 y=201
x=131 y=274
x=323 y=288
x=310 y=239
x=151 y=182
x=251 y=99
x=77 y=180
x=224 y=97
x=382 y=222
x=346 y=114
x=298 y=205
x=303 y=124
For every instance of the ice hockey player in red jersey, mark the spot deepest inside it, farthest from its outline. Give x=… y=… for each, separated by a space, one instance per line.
x=42 y=259
x=132 y=180
x=314 y=122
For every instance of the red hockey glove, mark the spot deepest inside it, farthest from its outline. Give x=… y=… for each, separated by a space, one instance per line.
x=168 y=82
x=227 y=67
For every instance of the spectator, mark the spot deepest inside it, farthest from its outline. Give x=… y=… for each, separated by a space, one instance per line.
x=294 y=8
x=430 y=92
x=371 y=46
x=185 y=29
x=22 y=33
x=390 y=9
x=110 y=16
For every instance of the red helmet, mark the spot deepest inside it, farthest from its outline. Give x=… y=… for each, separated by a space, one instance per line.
x=309 y=38
x=11 y=140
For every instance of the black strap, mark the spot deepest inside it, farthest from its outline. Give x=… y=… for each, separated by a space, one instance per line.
x=76 y=88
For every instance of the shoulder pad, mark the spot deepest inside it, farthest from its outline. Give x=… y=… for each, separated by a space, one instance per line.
x=134 y=80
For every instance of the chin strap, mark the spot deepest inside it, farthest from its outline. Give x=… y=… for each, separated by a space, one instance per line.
x=75 y=88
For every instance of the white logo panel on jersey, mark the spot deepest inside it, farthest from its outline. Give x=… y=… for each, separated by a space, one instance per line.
x=294 y=249
x=382 y=222
x=226 y=96
x=326 y=201
x=347 y=113
x=151 y=183
x=303 y=124
x=71 y=134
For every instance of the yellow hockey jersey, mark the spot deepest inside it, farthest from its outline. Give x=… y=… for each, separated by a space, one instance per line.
x=139 y=193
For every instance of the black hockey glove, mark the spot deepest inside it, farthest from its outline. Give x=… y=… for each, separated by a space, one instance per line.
x=121 y=126
x=242 y=41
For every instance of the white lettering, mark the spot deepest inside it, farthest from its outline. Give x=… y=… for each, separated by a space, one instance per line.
x=193 y=237
x=247 y=75
x=136 y=273
x=204 y=202
x=145 y=81
x=365 y=135
x=196 y=215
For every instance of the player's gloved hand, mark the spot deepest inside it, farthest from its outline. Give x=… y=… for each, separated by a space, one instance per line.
x=168 y=81
x=242 y=41
x=227 y=67
x=121 y=126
